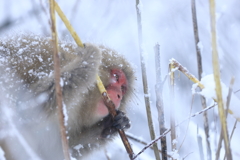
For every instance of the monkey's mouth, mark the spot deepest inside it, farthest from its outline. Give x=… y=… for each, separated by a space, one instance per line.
x=102 y=109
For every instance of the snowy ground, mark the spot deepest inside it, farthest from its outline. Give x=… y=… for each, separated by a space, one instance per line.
x=168 y=23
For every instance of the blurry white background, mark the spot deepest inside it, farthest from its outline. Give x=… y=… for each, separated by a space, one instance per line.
x=169 y=23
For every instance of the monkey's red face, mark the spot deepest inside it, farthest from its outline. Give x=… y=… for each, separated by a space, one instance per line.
x=116 y=89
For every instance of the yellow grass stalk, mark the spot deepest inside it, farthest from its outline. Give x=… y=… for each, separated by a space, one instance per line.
x=216 y=72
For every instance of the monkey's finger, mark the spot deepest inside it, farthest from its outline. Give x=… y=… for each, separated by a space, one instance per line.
x=128 y=126
x=119 y=115
x=121 y=123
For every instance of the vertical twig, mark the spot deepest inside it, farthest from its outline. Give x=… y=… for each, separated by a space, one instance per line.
x=159 y=103
x=216 y=72
x=58 y=90
x=145 y=84
x=234 y=127
x=172 y=113
x=199 y=62
x=226 y=113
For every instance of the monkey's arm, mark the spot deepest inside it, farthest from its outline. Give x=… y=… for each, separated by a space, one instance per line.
x=83 y=68
x=78 y=72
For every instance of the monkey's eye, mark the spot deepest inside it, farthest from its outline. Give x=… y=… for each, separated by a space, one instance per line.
x=116 y=76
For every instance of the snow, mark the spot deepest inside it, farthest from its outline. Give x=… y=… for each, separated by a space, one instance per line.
x=84 y=62
x=2 y=157
x=140 y=6
x=79 y=146
x=13 y=131
x=209 y=93
x=174 y=141
x=200 y=46
x=174 y=154
x=65 y=114
x=194 y=86
x=61 y=82
x=209 y=87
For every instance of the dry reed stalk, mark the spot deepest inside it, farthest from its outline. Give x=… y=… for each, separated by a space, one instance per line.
x=145 y=83
x=216 y=72
x=58 y=89
x=159 y=103
x=199 y=63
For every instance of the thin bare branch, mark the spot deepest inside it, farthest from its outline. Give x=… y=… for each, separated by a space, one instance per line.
x=167 y=131
x=144 y=79
x=187 y=155
x=187 y=124
x=58 y=90
x=172 y=113
x=199 y=63
x=159 y=103
x=143 y=142
x=234 y=127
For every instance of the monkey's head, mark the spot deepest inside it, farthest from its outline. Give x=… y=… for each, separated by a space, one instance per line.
x=118 y=79
x=117 y=76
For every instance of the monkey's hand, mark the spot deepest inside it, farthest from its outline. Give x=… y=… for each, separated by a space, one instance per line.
x=111 y=125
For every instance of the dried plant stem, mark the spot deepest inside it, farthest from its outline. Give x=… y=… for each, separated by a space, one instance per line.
x=216 y=72
x=226 y=113
x=68 y=25
x=196 y=37
x=108 y=102
x=144 y=143
x=234 y=127
x=159 y=103
x=58 y=90
x=178 y=66
x=167 y=131
x=199 y=62
x=172 y=113
x=145 y=84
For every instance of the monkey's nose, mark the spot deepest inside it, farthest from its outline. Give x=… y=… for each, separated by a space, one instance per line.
x=115 y=95
x=119 y=97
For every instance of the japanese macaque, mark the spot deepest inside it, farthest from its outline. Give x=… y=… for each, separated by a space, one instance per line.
x=27 y=78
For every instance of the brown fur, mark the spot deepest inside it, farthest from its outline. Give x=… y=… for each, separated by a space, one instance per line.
x=26 y=61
